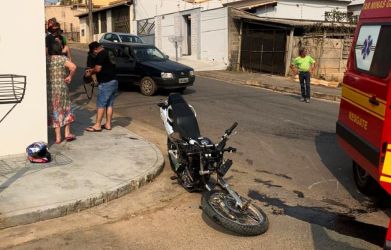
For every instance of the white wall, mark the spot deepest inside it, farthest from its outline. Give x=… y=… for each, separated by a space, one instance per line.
x=151 y=8
x=214 y=35
x=305 y=9
x=356 y=9
x=84 y=26
x=167 y=29
x=28 y=121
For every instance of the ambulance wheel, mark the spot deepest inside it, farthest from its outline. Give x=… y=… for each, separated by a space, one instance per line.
x=364 y=181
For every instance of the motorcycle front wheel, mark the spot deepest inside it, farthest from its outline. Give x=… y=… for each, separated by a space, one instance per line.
x=220 y=206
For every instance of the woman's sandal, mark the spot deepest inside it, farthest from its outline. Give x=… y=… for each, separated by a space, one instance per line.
x=92 y=129
x=70 y=138
x=104 y=127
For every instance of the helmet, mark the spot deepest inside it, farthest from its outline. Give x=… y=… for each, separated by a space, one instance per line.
x=38 y=153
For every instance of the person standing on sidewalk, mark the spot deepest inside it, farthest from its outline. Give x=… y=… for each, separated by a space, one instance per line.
x=60 y=71
x=304 y=65
x=104 y=68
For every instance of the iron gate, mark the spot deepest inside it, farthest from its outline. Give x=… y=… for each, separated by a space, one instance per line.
x=263 y=48
x=121 y=19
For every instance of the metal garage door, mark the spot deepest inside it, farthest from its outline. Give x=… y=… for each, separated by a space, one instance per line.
x=263 y=48
x=121 y=19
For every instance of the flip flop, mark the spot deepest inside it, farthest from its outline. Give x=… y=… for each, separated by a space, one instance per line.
x=92 y=129
x=103 y=127
x=70 y=138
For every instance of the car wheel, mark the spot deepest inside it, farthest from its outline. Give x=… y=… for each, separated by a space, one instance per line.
x=148 y=86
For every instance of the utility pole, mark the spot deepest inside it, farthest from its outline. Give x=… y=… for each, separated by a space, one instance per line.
x=90 y=22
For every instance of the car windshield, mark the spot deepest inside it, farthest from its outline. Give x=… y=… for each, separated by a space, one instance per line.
x=130 y=39
x=148 y=54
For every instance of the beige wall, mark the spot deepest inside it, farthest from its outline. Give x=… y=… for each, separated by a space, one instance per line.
x=27 y=122
x=102 y=2
x=329 y=55
x=65 y=15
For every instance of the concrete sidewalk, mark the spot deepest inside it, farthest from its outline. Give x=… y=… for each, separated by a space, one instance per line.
x=272 y=82
x=95 y=168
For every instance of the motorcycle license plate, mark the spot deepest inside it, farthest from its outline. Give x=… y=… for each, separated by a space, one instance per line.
x=183 y=80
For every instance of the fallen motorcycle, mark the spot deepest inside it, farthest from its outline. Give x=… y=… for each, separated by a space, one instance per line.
x=196 y=160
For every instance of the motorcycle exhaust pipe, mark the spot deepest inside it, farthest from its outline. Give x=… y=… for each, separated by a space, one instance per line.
x=174 y=158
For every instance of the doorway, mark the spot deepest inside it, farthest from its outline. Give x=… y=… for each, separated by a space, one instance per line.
x=188 y=33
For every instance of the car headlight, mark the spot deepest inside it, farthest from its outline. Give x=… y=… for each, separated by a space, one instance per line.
x=166 y=75
x=191 y=72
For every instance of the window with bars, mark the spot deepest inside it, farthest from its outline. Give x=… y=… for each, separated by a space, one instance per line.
x=146 y=27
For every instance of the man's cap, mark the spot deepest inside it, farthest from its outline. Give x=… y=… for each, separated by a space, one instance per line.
x=93 y=46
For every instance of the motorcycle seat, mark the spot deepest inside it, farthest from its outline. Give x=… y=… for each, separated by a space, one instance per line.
x=183 y=119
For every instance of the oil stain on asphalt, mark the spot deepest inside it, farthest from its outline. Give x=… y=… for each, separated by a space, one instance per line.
x=345 y=224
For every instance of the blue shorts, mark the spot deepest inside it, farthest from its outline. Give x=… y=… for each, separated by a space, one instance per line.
x=106 y=94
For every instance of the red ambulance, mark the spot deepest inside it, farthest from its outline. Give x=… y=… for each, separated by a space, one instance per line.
x=364 y=122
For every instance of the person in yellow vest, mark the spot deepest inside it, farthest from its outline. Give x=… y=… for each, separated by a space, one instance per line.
x=304 y=65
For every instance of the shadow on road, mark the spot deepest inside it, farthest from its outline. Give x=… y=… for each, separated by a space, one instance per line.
x=337 y=162
x=345 y=224
x=331 y=154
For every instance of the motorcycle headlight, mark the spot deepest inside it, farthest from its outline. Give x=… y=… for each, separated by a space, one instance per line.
x=191 y=72
x=167 y=75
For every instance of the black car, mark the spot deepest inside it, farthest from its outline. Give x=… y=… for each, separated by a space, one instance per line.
x=149 y=68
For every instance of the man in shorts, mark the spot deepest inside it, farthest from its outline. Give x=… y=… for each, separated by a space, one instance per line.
x=104 y=68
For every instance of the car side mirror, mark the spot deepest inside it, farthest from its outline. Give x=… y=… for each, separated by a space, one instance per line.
x=166 y=57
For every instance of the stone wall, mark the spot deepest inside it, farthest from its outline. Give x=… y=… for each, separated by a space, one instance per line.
x=233 y=41
x=329 y=53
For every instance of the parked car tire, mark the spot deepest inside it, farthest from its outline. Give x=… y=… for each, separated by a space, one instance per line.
x=148 y=86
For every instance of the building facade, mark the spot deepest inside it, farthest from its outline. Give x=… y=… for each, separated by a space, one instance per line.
x=66 y=16
x=314 y=10
x=112 y=18
x=201 y=29
x=22 y=120
x=355 y=7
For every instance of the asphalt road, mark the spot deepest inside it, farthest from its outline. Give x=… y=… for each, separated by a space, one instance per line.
x=288 y=161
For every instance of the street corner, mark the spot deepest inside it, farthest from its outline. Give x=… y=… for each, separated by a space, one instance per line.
x=90 y=171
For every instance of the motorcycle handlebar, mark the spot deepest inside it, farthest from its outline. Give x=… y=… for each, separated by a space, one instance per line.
x=229 y=131
x=224 y=138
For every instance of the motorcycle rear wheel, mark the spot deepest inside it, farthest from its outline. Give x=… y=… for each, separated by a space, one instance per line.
x=219 y=205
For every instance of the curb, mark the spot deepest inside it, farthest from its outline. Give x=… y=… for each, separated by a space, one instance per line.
x=259 y=84
x=88 y=202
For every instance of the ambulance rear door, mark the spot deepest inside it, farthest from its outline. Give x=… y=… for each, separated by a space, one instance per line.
x=365 y=91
